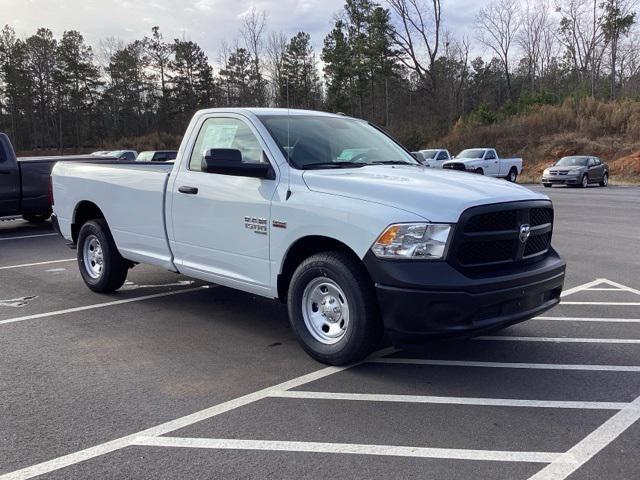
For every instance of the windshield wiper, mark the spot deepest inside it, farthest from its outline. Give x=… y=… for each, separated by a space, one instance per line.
x=312 y=166
x=392 y=162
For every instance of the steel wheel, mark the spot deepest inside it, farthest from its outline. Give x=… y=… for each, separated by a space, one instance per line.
x=325 y=310
x=93 y=256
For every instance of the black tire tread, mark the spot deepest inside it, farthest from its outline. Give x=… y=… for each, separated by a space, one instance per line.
x=116 y=267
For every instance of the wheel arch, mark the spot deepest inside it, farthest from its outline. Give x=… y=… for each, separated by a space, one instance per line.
x=84 y=211
x=303 y=248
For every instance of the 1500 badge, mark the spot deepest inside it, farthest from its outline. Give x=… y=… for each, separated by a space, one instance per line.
x=258 y=225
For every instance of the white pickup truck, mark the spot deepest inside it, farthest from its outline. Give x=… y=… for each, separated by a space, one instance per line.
x=267 y=201
x=485 y=161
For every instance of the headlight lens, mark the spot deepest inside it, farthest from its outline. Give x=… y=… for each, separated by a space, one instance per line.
x=426 y=241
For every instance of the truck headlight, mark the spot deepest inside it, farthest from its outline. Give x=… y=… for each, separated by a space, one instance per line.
x=425 y=241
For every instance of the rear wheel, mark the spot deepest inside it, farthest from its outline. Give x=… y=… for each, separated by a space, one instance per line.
x=513 y=175
x=584 y=183
x=102 y=267
x=479 y=171
x=333 y=309
x=605 y=180
x=547 y=185
x=37 y=217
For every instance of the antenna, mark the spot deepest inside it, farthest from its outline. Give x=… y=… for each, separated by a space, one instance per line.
x=288 y=144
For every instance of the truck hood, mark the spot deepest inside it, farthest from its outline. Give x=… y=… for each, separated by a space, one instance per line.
x=434 y=194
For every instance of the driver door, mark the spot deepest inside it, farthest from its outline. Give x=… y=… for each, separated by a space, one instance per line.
x=490 y=164
x=221 y=221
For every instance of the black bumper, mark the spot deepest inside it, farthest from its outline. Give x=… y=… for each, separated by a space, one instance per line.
x=561 y=180
x=420 y=300
x=56 y=228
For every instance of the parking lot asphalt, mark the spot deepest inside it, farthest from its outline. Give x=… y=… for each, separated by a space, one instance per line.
x=175 y=378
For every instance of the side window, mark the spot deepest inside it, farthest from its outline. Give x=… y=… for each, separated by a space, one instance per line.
x=597 y=161
x=490 y=155
x=442 y=156
x=226 y=133
x=592 y=162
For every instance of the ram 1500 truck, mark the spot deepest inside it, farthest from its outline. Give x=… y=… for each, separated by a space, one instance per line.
x=485 y=161
x=24 y=182
x=326 y=213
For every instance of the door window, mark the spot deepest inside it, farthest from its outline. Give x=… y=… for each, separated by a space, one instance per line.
x=490 y=156
x=226 y=133
x=442 y=156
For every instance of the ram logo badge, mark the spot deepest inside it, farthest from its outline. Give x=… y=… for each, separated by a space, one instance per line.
x=258 y=225
x=525 y=231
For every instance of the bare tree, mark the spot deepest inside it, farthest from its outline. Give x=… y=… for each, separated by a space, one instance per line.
x=416 y=32
x=583 y=37
x=535 y=22
x=252 y=30
x=498 y=24
x=276 y=47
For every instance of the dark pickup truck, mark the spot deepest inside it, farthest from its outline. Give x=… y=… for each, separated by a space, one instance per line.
x=24 y=182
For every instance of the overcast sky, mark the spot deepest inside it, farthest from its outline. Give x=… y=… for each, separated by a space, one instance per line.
x=207 y=22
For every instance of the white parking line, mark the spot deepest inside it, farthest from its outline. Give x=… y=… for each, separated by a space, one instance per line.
x=101 y=305
x=635 y=304
x=570 y=461
x=535 y=366
x=508 y=338
x=589 y=319
x=167 y=427
x=350 y=448
x=28 y=236
x=483 y=402
x=37 y=263
x=584 y=286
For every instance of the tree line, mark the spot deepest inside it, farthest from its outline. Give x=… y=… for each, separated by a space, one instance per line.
x=394 y=63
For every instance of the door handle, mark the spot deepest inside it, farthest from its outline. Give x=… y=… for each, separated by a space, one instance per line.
x=188 y=190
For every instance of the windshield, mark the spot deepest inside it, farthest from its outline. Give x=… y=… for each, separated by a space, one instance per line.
x=471 y=153
x=144 y=157
x=429 y=153
x=317 y=141
x=572 y=162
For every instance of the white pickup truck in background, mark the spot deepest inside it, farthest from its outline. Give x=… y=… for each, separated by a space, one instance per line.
x=435 y=157
x=485 y=161
x=326 y=213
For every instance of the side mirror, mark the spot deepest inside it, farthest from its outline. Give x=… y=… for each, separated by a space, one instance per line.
x=228 y=161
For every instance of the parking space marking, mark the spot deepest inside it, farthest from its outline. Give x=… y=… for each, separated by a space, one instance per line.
x=28 y=236
x=534 y=366
x=584 y=286
x=588 y=447
x=349 y=448
x=589 y=319
x=483 y=402
x=102 y=305
x=172 y=425
x=635 y=304
x=508 y=338
x=23 y=265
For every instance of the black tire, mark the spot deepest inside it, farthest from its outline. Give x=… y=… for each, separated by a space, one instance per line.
x=584 y=181
x=547 y=185
x=513 y=175
x=114 y=267
x=605 y=180
x=364 y=328
x=479 y=171
x=37 y=217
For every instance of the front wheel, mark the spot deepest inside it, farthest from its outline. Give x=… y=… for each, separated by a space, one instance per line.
x=102 y=267
x=584 y=183
x=513 y=175
x=333 y=309
x=479 y=171
x=605 y=180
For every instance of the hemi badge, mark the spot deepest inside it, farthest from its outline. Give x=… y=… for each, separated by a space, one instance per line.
x=279 y=224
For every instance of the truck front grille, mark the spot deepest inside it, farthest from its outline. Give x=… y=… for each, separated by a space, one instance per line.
x=491 y=234
x=454 y=166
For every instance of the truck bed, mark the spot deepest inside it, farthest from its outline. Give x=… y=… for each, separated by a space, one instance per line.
x=131 y=196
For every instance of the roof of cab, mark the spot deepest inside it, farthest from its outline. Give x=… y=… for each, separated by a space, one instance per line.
x=269 y=111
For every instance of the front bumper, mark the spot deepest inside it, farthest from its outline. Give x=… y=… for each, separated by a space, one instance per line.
x=561 y=180
x=420 y=300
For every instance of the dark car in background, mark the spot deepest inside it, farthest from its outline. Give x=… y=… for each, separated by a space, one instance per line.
x=577 y=170
x=157 y=156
